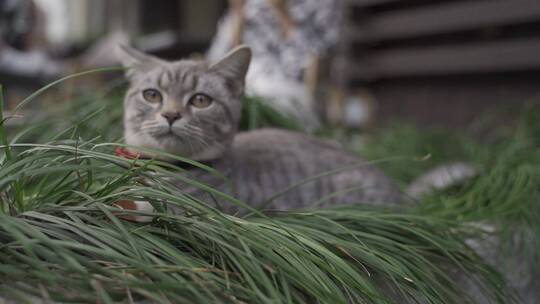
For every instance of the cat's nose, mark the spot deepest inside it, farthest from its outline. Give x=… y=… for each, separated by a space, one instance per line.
x=171 y=116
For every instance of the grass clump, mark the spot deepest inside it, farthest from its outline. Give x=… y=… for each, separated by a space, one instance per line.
x=61 y=238
x=64 y=241
x=504 y=197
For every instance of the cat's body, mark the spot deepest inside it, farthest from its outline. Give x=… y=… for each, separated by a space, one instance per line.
x=192 y=109
x=263 y=163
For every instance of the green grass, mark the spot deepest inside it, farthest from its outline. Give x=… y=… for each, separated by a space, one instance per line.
x=506 y=192
x=64 y=237
x=61 y=239
x=506 y=187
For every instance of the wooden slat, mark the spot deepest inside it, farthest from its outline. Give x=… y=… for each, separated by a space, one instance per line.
x=502 y=56
x=367 y=3
x=444 y=18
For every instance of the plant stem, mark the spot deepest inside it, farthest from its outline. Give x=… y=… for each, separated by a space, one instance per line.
x=2 y=136
x=8 y=156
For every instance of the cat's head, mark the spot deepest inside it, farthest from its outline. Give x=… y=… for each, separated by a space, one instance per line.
x=187 y=108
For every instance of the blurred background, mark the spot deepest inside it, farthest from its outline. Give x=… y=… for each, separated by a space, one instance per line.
x=351 y=63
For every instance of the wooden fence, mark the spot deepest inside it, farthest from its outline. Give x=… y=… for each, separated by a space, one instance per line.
x=440 y=61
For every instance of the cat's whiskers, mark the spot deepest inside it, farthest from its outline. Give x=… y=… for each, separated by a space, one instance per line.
x=153 y=131
x=193 y=128
x=148 y=123
x=153 y=127
x=200 y=138
x=196 y=143
x=206 y=139
x=197 y=134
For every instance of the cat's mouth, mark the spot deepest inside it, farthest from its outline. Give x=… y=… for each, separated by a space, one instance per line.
x=168 y=134
x=165 y=133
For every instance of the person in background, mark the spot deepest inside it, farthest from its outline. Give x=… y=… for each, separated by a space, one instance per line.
x=288 y=37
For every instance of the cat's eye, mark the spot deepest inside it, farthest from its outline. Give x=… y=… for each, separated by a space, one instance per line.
x=152 y=96
x=200 y=101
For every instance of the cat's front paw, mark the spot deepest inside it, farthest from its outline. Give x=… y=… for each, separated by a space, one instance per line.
x=141 y=206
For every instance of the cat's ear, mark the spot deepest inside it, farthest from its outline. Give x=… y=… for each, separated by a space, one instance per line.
x=135 y=61
x=234 y=65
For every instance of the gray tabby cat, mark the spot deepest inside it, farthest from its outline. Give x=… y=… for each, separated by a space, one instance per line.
x=192 y=109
